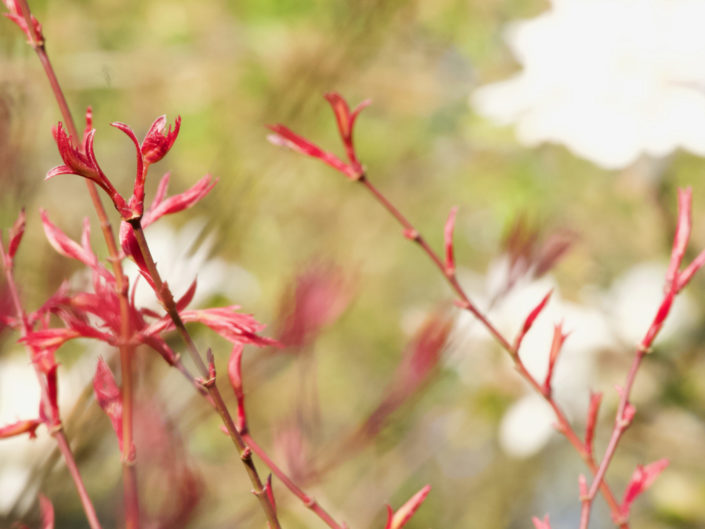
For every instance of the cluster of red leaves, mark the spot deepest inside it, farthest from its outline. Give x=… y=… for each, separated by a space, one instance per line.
x=95 y=312
x=80 y=160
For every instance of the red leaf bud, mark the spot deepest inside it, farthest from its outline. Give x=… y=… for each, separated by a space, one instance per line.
x=397 y=520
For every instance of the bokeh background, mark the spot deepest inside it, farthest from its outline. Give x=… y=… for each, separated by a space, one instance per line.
x=279 y=226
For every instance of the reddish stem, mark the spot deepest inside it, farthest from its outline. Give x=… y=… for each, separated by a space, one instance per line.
x=307 y=500
x=564 y=426
x=166 y=298
x=126 y=351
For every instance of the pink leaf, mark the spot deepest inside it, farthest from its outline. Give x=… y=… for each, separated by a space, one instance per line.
x=49 y=338
x=398 y=519
x=231 y=325
x=107 y=394
x=448 y=236
x=642 y=479
x=136 y=202
x=686 y=275
x=557 y=342
x=270 y=493
x=182 y=201
x=34 y=36
x=47 y=510
x=235 y=376
x=64 y=245
x=156 y=142
x=680 y=241
x=346 y=123
x=16 y=233
x=529 y=321
x=286 y=138
x=541 y=524
x=28 y=426
x=318 y=296
x=661 y=315
x=187 y=297
x=593 y=410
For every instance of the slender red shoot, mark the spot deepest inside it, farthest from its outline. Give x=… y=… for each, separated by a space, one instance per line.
x=529 y=321
x=397 y=520
x=448 y=238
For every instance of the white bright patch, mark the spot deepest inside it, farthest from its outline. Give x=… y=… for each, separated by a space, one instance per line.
x=184 y=254
x=526 y=427
x=610 y=79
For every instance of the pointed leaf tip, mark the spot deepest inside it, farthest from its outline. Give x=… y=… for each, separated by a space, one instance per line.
x=541 y=524
x=398 y=519
x=16 y=233
x=448 y=237
x=642 y=478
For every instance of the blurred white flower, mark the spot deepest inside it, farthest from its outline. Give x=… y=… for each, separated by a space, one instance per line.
x=184 y=254
x=610 y=79
x=19 y=399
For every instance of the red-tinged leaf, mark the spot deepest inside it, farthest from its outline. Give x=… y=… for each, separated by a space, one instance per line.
x=161 y=347
x=424 y=351
x=642 y=479
x=551 y=251
x=593 y=412
x=161 y=191
x=661 y=315
x=286 y=138
x=63 y=244
x=156 y=142
x=397 y=520
x=129 y=245
x=686 y=275
x=235 y=369
x=235 y=377
x=136 y=202
x=28 y=426
x=78 y=161
x=541 y=524
x=270 y=493
x=34 y=35
x=680 y=241
x=184 y=301
x=557 y=342
x=318 y=296
x=89 y=123
x=529 y=321
x=629 y=409
x=448 y=238
x=629 y=413
x=233 y=326
x=16 y=233
x=346 y=122
x=49 y=338
x=182 y=201
x=342 y=114
x=107 y=394
x=47 y=510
